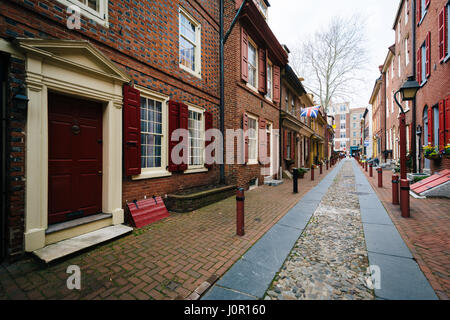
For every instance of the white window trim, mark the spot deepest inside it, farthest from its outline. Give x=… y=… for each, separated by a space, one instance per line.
x=270 y=97
x=199 y=167
x=406 y=52
x=198 y=49
x=254 y=161
x=149 y=173
x=254 y=88
x=100 y=17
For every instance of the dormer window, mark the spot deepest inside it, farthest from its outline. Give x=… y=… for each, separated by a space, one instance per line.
x=262 y=7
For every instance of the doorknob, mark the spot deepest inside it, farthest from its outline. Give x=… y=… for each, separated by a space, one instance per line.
x=100 y=172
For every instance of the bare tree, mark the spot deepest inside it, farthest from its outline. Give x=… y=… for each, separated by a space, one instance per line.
x=332 y=60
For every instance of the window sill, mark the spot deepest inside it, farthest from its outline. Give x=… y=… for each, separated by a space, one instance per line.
x=252 y=88
x=190 y=71
x=196 y=170
x=252 y=162
x=446 y=58
x=151 y=175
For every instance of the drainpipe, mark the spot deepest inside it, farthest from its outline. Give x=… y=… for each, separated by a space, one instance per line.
x=3 y=163
x=414 y=120
x=280 y=149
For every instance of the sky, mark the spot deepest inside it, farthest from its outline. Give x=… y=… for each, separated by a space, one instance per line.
x=291 y=20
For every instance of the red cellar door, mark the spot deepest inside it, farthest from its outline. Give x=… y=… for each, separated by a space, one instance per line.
x=74 y=158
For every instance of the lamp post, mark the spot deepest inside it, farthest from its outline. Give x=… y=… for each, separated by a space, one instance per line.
x=408 y=91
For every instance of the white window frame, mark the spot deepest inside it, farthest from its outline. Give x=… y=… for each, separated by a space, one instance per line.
x=406 y=52
x=198 y=48
x=423 y=63
x=200 y=167
x=250 y=160
x=250 y=85
x=269 y=71
x=149 y=173
x=100 y=17
x=262 y=8
x=406 y=12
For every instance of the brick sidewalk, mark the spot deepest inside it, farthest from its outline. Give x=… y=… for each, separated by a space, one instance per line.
x=426 y=233
x=166 y=260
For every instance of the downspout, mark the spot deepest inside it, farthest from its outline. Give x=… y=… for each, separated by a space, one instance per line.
x=280 y=149
x=414 y=119
x=4 y=150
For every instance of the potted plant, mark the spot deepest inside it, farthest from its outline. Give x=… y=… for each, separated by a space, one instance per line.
x=430 y=152
x=446 y=151
x=301 y=172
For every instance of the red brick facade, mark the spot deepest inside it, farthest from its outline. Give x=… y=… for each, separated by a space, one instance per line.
x=143 y=40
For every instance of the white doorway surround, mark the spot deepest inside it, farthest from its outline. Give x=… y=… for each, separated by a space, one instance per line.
x=78 y=69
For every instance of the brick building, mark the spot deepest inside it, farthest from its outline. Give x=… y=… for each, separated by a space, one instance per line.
x=253 y=64
x=341 y=114
x=69 y=91
x=433 y=74
x=356 y=115
x=378 y=102
x=296 y=130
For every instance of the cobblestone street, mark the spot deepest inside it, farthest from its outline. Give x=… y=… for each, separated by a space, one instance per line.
x=330 y=259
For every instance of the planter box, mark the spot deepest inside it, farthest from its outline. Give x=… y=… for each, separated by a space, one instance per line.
x=196 y=198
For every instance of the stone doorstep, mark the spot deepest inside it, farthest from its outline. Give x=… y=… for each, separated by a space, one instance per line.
x=66 y=247
x=76 y=223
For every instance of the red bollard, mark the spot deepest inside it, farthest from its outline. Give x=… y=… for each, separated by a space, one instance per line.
x=327 y=165
x=240 y=198
x=371 y=171
x=366 y=165
x=321 y=169
x=380 y=177
x=404 y=197
x=395 y=185
x=312 y=173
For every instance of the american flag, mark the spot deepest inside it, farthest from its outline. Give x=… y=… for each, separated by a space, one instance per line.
x=310 y=112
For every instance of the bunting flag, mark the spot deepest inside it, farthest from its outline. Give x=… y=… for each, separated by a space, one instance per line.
x=310 y=112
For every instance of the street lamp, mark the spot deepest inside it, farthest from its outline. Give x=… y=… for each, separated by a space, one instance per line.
x=408 y=91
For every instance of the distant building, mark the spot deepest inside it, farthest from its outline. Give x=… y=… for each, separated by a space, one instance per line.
x=341 y=114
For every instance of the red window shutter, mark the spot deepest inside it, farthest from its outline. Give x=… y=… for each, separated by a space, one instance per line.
x=447 y=120
x=441 y=124
x=244 y=55
x=285 y=144
x=419 y=65
x=276 y=84
x=428 y=51
x=132 y=130
x=418 y=10
x=292 y=145
x=173 y=125
x=208 y=125
x=262 y=139
x=441 y=33
x=184 y=119
x=262 y=80
x=430 y=126
x=245 y=128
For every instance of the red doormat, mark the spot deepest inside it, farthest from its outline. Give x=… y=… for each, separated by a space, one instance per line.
x=145 y=212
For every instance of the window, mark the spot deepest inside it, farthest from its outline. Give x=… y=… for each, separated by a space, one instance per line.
x=262 y=7
x=423 y=8
x=293 y=105
x=96 y=10
x=423 y=48
x=288 y=144
x=287 y=101
x=189 y=44
x=343 y=135
x=151 y=133
x=354 y=134
x=406 y=52
x=269 y=81
x=196 y=129
x=252 y=68
x=354 y=126
x=252 y=140
x=406 y=12
x=343 y=108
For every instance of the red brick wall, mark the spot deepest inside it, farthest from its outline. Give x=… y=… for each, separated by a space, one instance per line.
x=15 y=158
x=142 y=38
x=437 y=86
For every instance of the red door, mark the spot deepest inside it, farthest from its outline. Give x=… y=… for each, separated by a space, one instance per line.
x=74 y=158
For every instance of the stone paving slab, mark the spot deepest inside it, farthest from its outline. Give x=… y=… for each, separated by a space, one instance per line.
x=253 y=274
x=385 y=239
x=374 y=216
x=401 y=279
x=248 y=278
x=272 y=249
x=218 y=293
